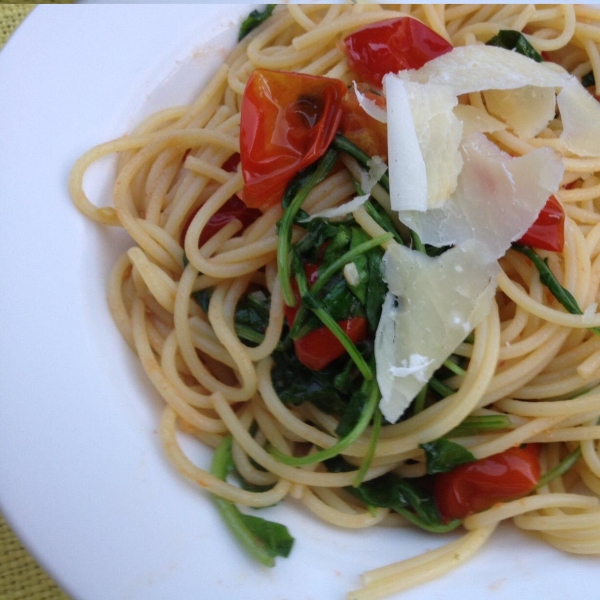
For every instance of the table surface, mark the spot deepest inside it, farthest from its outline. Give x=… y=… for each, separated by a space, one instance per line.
x=21 y=578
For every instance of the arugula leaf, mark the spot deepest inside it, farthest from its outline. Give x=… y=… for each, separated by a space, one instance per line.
x=264 y=540
x=588 y=80
x=319 y=230
x=352 y=413
x=252 y=318
x=376 y=288
x=254 y=19
x=251 y=315
x=564 y=297
x=296 y=384
x=515 y=40
x=295 y=194
x=203 y=298
x=401 y=495
x=442 y=455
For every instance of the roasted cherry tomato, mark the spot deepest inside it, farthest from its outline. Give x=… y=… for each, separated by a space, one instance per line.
x=288 y=122
x=391 y=46
x=361 y=129
x=234 y=208
x=548 y=230
x=320 y=347
x=477 y=486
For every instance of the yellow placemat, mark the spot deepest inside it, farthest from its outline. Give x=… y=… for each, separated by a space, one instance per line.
x=20 y=576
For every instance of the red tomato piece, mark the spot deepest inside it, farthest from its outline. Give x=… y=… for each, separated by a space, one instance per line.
x=548 y=230
x=391 y=46
x=360 y=128
x=477 y=486
x=288 y=122
x=320 y=347
x=234 y=208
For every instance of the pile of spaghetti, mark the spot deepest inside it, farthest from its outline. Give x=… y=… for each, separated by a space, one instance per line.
x=259 y=288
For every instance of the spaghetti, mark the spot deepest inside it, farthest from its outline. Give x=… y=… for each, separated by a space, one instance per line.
x=178 y=295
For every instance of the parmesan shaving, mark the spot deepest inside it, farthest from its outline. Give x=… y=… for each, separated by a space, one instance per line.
x=476 y=120
x=497 y=199
x=423 y=147
x=339 y=212
x=478 y=67
x=431 y=306
x=526 y=110
x=370 y=106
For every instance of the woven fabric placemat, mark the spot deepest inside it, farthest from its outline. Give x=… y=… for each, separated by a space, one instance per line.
x=21 y=578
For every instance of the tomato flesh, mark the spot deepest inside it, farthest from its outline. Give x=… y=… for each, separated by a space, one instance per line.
x=548 y=230
x=390 y=46
x=287 y=122
x=477 y=486
x=360 y=128
x=320 y=347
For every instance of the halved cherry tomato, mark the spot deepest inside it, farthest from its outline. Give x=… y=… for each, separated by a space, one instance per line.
x=320 y=347
x=288 y=122
x=477 y=486
x=361 y=129
x=390 y=46
x=548 y=230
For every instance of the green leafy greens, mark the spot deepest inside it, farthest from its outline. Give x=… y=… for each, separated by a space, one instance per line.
x=254 y=19
x=264 y=540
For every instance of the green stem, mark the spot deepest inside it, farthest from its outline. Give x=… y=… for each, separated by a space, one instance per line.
x=229 y=511
x=287 y=221
x=564 y=297
x=384 y=223
x=345 y=145
x=325 y=317
x=562 y=467
x=419 y=402
x=482 y=424
x=364 y=467
x=343 y=443
x=452 y=366
x=330 y=270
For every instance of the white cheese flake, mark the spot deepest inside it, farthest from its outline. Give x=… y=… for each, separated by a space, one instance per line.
x=370 y=106
x=423 y=140
x=427 y=295
x=477 y=120
x=338 y=212
x=526 y=110
x=497 y=199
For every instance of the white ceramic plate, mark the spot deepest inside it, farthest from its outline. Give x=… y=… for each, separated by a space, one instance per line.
x=82 y=476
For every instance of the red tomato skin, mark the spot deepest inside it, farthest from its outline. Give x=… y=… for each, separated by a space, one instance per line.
x=548 y=230
x=360 y=128
x=234 y=208
x=320 y=347
x=391 y=46
x=477 y=486
x=287 y=122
